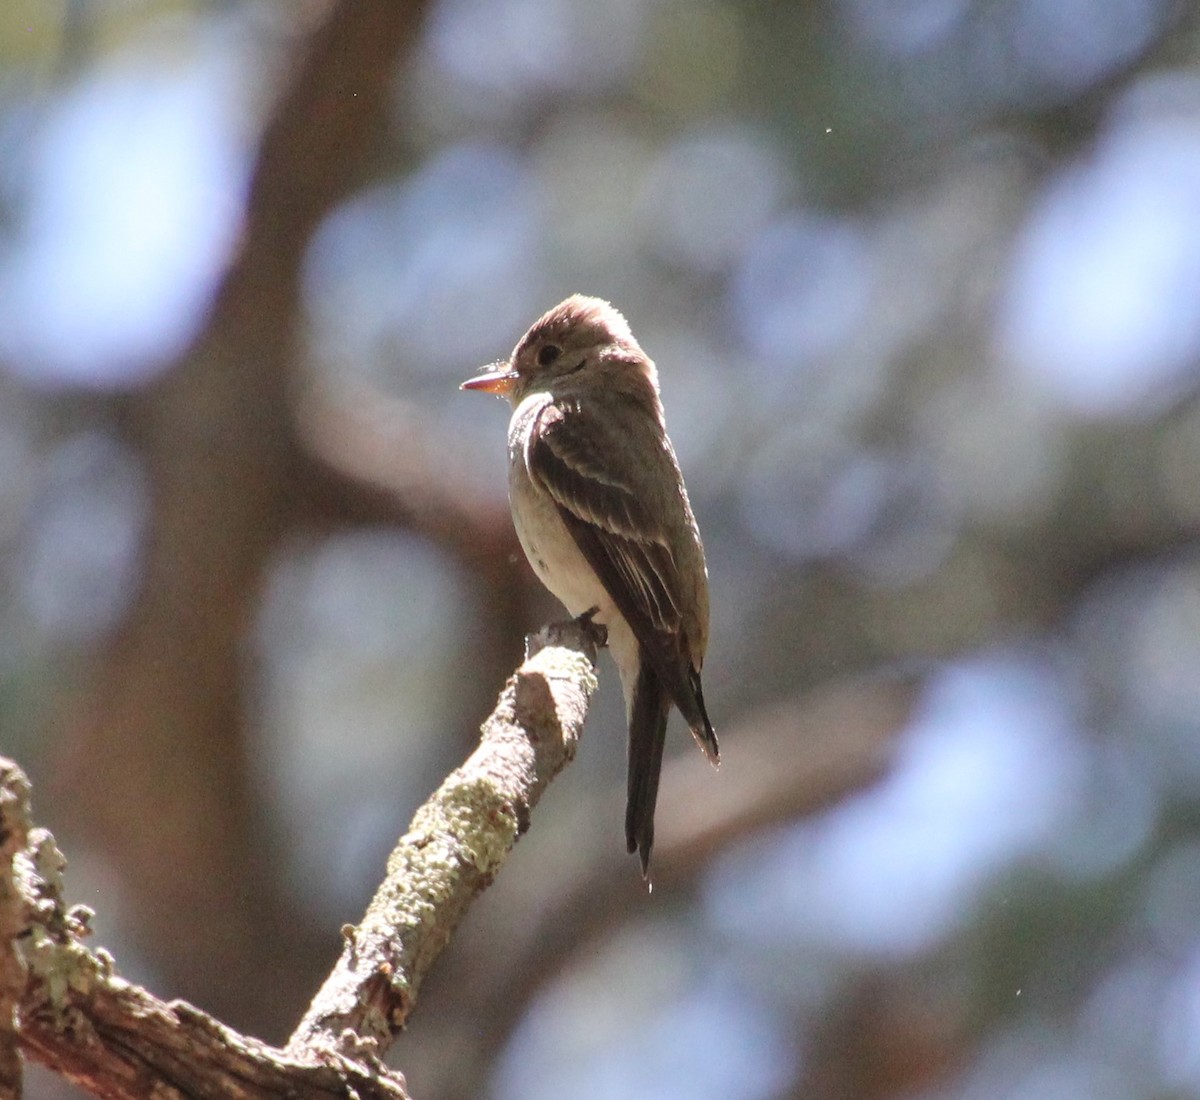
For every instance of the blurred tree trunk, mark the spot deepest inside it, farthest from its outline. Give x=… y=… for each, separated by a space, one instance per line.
x=154 y=767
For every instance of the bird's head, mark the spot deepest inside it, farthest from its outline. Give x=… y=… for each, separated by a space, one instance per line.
x=580 y=339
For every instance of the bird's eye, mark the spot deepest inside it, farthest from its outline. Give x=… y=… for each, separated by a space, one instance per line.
x=548 y=354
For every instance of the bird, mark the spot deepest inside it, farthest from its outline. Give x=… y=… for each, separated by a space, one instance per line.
x=602 y=513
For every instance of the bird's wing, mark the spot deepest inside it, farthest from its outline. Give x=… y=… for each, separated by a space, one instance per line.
x=586 y=466
x=579 y=460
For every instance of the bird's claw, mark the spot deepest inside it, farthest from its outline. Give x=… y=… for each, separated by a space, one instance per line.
x=582 y=628
x=587 y=622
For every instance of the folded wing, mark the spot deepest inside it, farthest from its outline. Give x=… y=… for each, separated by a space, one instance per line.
x=625 y=536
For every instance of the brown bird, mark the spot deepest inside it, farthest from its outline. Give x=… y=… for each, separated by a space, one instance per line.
x=600 y=508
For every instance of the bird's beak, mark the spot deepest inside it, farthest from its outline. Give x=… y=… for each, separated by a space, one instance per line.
x=498 y=378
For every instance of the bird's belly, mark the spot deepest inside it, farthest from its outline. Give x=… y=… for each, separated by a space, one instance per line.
x=552 y=552
x=562 y=568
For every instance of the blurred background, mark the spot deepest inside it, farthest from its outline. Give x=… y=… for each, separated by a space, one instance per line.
x=922 y=280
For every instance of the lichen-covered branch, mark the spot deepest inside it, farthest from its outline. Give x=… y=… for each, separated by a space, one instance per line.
x=71 y=1012
x=64 y=1005
x=119 y=1042
x=14 y=833
x=455 y=846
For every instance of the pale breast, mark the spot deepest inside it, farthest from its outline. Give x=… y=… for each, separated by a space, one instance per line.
x=558 y=562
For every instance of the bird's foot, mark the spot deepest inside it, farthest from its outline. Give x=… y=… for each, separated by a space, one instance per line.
x=597 y=631
x=582 y=632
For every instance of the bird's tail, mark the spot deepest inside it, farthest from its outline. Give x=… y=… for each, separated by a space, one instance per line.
x=701 y=727
x=681 y=680
x=647 y=734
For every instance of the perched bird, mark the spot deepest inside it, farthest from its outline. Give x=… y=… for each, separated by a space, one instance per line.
x=602 y=513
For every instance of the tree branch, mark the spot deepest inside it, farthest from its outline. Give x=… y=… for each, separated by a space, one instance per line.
x=14 y=834
x=114 y=1039
x=120 y=1042
x=455 y=846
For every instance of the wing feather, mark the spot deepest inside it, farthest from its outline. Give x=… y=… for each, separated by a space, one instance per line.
x=622 y=538
x=583 y=464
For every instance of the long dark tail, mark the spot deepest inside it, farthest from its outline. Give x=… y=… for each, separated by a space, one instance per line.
x=701 y=727
x=647 y=735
